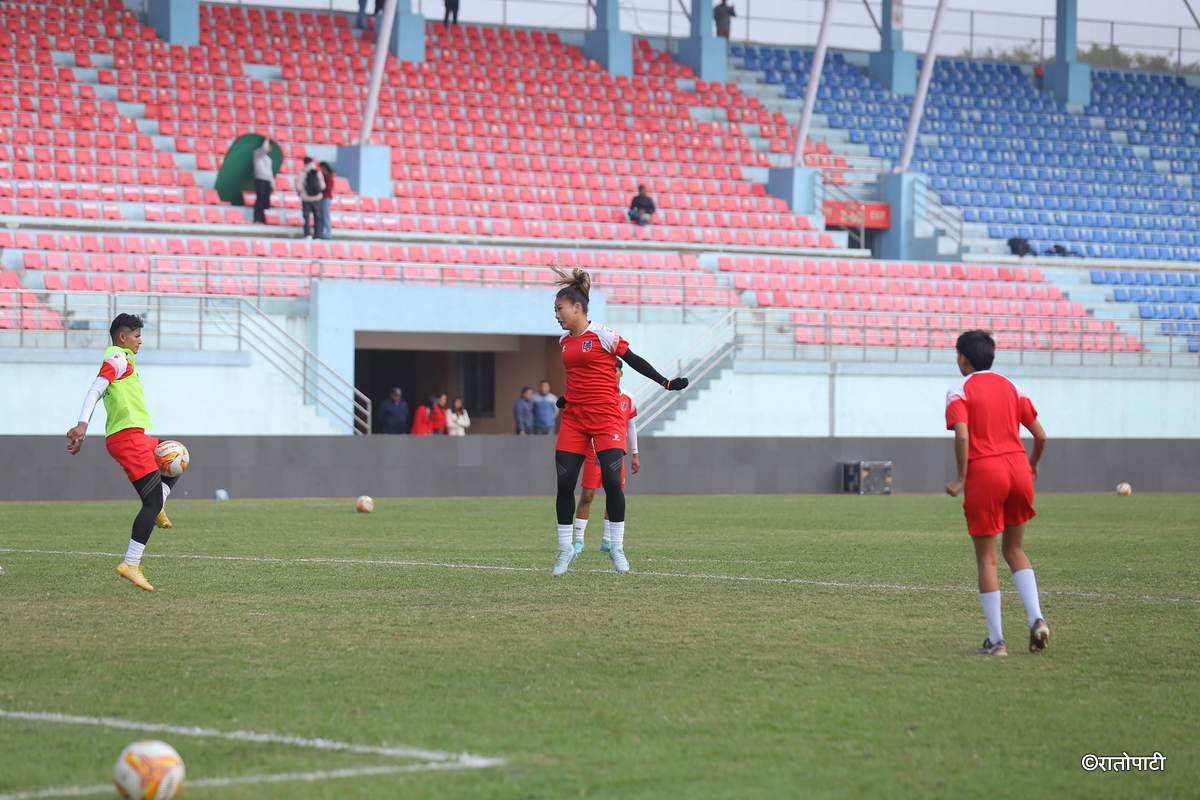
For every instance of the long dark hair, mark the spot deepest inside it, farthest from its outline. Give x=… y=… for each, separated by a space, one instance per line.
x=458 y=405
x=574 y=286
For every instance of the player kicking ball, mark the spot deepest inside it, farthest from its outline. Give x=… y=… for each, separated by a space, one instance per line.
x=591 y=474
x=985 y=410
x=120 y=385
x=591 y=420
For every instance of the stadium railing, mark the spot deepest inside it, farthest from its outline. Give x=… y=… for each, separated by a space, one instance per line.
x=197 y=323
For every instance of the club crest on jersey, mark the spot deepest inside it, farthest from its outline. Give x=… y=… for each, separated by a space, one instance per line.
x=587 y=346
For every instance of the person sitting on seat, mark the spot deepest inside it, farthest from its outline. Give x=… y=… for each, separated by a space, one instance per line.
x=641 y=208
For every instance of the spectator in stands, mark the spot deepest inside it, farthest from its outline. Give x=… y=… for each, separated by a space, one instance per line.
x=457 y=418
x=328 y=173
x=393 y=413
x=545 y=409
x=523 y=411
x=451 y=13
x=264 y=181
x=641 y=208
x=722 y=13
x=437 y=415
x=1039 y=76
x=423 y=419
x=311 y=188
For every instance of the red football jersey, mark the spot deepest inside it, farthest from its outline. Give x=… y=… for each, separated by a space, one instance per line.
x=994 y=409
x=590 y=360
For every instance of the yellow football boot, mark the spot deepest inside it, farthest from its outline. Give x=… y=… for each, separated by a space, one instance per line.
x=162 y=520
x=133 y=574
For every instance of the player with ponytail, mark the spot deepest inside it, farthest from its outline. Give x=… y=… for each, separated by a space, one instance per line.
x=591 y=413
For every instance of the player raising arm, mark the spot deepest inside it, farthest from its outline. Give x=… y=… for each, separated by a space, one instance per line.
x=120 y=385
x=985 y=410
x=591 y=474
x=592 y=417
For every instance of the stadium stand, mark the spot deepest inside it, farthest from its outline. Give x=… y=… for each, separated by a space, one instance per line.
x=1170 y=297
x=1102 y=183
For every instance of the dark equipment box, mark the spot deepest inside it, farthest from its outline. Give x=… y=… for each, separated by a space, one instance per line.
x=867 y=477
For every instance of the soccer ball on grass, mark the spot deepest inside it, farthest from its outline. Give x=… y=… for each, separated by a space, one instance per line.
x=364 y=505
x=149 y=770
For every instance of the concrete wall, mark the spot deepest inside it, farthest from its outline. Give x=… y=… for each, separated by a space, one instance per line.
x=38 y=468
x=210 y=393
x=908 y=400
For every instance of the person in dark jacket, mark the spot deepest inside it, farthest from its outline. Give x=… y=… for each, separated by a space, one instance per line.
x=722 y=14
x=328 y=173
x=523 y=411
x=393 y=413
x=641 y=207
x=451 y=13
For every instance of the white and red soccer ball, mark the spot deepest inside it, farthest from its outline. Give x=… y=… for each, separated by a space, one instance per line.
x=149 y=770
x=364 y=505
x=172 y=458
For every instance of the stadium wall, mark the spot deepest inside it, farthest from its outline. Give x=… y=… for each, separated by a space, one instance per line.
x=225 y=393
x=38 y=468
x=908 y=400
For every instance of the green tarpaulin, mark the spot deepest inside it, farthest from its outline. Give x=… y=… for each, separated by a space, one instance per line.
x=237 y=171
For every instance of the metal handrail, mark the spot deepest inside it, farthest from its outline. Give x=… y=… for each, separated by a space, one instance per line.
x=841 y=195
x=703 y=354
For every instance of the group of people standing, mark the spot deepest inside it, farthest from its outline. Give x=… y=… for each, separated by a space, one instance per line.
x=314 y=185
x=536 y=412
x=432 y=418
x=451 y=17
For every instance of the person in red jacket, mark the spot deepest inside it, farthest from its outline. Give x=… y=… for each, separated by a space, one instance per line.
x=422 y=419
x=437 y=419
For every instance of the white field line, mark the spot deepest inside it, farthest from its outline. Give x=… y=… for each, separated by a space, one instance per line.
x=431 y=760
x=106 y=789
x=700 y=576
x=257 y=737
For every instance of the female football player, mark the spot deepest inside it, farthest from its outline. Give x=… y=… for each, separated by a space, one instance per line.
x=591 y=415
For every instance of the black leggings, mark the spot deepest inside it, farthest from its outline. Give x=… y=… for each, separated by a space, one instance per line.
x=568 y=466
x=149 y=488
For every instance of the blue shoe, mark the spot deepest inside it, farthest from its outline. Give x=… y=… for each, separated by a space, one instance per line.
x=605 y=545
x=578 y=547
x=617 y=554
x=565 y=556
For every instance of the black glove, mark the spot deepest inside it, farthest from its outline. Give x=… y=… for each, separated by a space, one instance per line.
x=677 y=384
x=561 y=402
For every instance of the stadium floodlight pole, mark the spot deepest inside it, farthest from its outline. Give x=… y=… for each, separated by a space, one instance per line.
x=918 y=106
x=814 y=81
x=383 y=36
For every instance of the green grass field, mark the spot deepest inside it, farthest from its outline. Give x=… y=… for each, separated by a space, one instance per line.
x=762 y=647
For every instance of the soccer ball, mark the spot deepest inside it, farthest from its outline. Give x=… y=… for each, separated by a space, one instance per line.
x=172 y=458
x=364 y=505
x=1124 y=489
x=149 y=770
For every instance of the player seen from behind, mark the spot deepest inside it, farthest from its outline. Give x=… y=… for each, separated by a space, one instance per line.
x=591 y=473
x=592 y=417
x=120 y=385
x=985 y=410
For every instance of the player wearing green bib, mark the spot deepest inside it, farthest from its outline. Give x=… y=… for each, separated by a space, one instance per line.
x=120 y=386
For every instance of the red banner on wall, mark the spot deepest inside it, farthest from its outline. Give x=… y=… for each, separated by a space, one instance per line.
x=841 y=214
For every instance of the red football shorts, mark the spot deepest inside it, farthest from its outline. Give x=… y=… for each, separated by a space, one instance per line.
x=591 y=474
x=134 y=451
x=998 y=494
x=583 y=425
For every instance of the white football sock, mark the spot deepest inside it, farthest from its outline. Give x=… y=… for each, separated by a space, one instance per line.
x=580 y=528
x=607 y=531
x=616 y=534
x=133 y=553
x=1027 y=586
x=991 y=612
x=166 y=492
x=564 y=535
